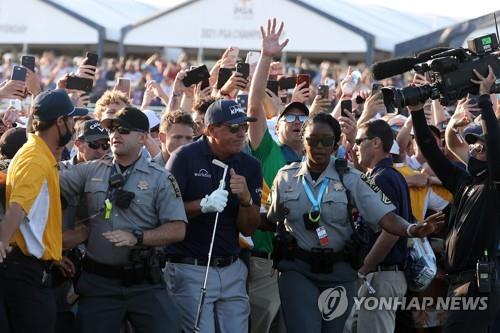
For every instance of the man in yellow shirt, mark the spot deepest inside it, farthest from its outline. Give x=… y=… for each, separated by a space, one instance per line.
x=31 y=233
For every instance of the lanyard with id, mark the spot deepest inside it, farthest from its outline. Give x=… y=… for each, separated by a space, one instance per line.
x=311 y=220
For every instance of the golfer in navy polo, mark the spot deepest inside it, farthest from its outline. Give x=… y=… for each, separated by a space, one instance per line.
x=226 y=305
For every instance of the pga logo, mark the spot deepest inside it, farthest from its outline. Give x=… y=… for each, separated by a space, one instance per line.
x=234 y=109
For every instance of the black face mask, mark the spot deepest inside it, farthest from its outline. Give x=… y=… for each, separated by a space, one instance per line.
x=65 y=138
x=476 y=167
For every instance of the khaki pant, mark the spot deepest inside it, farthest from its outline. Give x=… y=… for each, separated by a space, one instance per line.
x=264 y=294
x=386 y=284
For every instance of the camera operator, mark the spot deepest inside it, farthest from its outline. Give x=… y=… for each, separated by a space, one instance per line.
x=472 y=231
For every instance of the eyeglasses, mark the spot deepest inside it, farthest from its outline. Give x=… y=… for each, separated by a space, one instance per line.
x=95 y=146
x=290 y=118
x=359 y=141
x=235 y=128
x=477 y=147
x=326 y=141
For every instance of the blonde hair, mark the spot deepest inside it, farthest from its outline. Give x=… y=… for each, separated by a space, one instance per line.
x=109 y=97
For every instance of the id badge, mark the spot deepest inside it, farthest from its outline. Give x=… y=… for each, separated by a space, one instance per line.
x=322 y=236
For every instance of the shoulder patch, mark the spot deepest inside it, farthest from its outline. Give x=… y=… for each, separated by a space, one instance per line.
x=370 y=182
x=177 y=190
x=385 y=199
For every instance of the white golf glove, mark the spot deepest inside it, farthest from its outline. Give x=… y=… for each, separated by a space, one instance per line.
x=215 y=202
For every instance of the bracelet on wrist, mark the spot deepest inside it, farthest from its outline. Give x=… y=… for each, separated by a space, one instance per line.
x=408 y=231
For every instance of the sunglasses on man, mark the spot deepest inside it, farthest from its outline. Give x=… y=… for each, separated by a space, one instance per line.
x=290 y=118
x=95 y=145
x=235 y=128
x=359 y=141
x=326 y=141
x=122 y=130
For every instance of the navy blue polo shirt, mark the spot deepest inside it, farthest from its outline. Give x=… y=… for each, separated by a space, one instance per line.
x=394 y=186
x=197 y=176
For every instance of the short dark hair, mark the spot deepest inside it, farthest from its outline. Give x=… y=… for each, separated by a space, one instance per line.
x=380 y=129
x=175 y=117
x=326 y=119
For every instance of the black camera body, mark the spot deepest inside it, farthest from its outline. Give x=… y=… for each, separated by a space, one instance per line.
x=450 y=73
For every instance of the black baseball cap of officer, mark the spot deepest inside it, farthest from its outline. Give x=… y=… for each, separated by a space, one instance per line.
x=129 y=117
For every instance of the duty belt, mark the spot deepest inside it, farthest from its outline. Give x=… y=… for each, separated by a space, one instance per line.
x=114 y=272
x=308 y=256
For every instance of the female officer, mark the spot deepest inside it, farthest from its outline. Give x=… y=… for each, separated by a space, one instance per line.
x=312 y=199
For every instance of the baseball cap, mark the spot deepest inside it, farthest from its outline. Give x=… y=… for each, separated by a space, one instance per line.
x=294 y=105
x=472 y=133
x=91 y=131
x=128 y=117
x=224 y=111
x=11 y=141
x=51 y=104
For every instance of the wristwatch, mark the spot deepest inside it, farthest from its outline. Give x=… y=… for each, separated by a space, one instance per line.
x=139 y=234
x=248 y=204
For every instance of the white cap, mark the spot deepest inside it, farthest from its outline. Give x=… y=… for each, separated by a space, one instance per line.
x=152 y=118
x=394 y=148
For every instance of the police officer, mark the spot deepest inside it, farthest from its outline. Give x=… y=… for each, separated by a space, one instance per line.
x=313 y=200
x=134 y=206
x=92 y=142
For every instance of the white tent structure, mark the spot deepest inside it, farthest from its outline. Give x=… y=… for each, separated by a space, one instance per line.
x=46 y=22
x=69 y=24
x=313 y=26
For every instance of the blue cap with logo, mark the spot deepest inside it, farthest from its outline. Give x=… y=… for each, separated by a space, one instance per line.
x=52 y=104
x=225 y=111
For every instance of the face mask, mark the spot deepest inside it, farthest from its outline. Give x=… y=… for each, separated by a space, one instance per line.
x=476 y=167
x=66 y=138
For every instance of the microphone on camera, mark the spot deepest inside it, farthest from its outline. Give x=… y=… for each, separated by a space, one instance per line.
x=387 y=68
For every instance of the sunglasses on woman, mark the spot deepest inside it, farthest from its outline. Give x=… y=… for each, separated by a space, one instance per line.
x=326 y=141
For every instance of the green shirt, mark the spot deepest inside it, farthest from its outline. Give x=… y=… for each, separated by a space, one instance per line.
x=271 y=156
